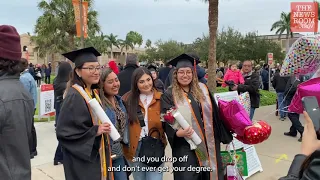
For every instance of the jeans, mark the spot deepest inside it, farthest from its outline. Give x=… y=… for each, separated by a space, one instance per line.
x=143 y=175
x=119 y=175
x=296 y=124
x=33 y=138
x=252 y=109
x=281 y=104
x=47 y=79
x=266 y=86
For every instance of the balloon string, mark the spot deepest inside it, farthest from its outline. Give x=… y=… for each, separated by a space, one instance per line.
x=254 y=120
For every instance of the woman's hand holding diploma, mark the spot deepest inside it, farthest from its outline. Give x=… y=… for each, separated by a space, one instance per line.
x=104 y=128
x=185 y=132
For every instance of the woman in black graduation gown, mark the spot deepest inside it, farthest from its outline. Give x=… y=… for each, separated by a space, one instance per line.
x=83 y=138
x=193 y=100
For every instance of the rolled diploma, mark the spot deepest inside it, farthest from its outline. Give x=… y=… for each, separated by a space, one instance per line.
x=98 y=111
x=184 y=124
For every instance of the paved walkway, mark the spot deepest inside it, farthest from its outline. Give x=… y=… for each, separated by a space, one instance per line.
x=269 y=151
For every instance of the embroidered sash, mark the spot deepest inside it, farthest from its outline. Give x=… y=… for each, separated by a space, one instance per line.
x=102 y=151
x=206 y=154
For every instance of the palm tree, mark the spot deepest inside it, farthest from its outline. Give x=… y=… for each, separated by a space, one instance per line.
x=283 y=26
x=58 y=18
x=126 y=44
x=100 y=42
x=213 y=26
x=135 y=38
x=113 y=41
x=148 y=43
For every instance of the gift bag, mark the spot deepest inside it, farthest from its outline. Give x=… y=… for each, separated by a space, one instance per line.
x=244 y=100
x=231 y=172
x=238 y=157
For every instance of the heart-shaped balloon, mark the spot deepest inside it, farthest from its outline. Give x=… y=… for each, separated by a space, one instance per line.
x=256 y=133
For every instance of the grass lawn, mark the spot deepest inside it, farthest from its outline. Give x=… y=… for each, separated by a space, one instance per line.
x=267 y=97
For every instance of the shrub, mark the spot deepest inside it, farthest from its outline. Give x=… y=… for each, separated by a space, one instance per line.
x=267 y=97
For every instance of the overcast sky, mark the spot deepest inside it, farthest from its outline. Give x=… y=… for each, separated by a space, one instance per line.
x=180 y=20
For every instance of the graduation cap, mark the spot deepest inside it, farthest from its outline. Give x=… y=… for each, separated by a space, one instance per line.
x=81 y=56
x=185 y=60
x=152 y=68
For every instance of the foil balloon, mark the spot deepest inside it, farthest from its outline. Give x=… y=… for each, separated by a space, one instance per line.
x=308 y=88
x=235 y=116
x=244 y=100
x=303 y=56
x=256 y=133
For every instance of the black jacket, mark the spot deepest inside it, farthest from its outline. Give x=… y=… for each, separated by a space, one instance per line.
x=291 y=88
x=279 y=82
x=251 y=85
x=16 y=114
x=311 y=172
x=125 y=78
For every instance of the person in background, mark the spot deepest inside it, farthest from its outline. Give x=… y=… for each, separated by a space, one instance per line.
x=57 y=68
x=48 y=73
x=290 y=90
x=265 y=77
x=16 y=110
x=116 y=111
x=38 y=75
x=43 y=74
x=251 y=85
x=201 y=72
x=30 y=85
x=31 y=70
x=120 y=67
x=59 y=86
x=279 y=84
x=306 y=164
x=145 y=99
x=84 y=139
x=257 y=69
x=157 y=82
x=164 y=72
x=233 y=74
x=126 y=74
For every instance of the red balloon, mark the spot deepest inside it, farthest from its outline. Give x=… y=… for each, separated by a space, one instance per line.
x=256 y=133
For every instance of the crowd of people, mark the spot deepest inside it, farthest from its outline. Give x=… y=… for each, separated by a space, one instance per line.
x=135 y=99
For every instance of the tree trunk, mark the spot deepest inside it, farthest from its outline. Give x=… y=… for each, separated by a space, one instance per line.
x=111 y=53
x=213 y=26
x=288 y=43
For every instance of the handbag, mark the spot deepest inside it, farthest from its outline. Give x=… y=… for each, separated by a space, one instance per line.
x=152 y=148
x=234 y=162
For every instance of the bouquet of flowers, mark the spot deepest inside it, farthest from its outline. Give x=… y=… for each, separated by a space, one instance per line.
x=176 y=120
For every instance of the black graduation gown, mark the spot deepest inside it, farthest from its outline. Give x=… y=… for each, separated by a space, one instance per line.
x=77 y=135
x=180 y=147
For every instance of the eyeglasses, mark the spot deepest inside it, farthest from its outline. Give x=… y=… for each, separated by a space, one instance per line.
x=181 y=73
x=92 y=69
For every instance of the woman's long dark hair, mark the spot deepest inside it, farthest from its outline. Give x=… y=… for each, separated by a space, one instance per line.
x=63 y=72
x=134 y=94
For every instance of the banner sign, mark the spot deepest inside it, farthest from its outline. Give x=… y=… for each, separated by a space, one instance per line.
x=46 y=99
x=76 y=7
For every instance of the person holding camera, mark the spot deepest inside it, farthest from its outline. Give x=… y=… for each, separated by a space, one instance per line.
x=306 y=165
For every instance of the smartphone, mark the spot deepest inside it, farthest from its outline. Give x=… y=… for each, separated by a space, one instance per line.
x=311 y=105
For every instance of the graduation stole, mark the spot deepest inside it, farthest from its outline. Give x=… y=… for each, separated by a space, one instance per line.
x=206 y=154
x=102 y=150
